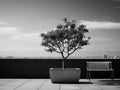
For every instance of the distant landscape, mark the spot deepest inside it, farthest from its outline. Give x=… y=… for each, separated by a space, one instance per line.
x=80 y=55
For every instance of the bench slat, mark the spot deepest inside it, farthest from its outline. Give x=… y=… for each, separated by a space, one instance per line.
x=99 y=65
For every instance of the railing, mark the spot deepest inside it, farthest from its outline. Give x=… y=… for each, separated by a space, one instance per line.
x=39 y=68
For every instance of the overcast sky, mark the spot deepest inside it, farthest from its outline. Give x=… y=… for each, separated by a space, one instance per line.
x=22 y=21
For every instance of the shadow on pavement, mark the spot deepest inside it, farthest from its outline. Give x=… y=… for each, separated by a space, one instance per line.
x=108 y=82
x=75 y=83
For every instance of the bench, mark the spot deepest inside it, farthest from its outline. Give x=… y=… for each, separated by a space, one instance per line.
x=99 y=66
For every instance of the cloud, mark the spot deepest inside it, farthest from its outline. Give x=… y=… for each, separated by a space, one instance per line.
x=49 y=25
x=118 y=7
x=94 y=25
x=22 y=42
x=26 y=36
x=116 y=0
x=2 y=23
x=6 y=29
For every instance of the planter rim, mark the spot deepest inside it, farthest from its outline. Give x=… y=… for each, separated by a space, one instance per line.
x=65 y=69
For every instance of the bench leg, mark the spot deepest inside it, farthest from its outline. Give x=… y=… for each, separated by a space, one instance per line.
x=89 y=75
x=112 y=75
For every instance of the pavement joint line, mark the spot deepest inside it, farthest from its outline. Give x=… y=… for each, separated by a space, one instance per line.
x=78 y=86
x=59 y=86
x=99 y=86
x=21 y=84
x=42 y=85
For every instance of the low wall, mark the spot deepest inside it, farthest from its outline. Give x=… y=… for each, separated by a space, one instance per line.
x=39 y=68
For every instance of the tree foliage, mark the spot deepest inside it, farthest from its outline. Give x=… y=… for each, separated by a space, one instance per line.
x=65 y=39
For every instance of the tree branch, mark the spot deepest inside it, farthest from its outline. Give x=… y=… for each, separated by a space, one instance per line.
x=74 y=50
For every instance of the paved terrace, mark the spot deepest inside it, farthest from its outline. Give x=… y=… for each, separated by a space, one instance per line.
x=45 y=84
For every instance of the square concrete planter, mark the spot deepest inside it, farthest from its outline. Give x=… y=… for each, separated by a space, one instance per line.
x=67 y=75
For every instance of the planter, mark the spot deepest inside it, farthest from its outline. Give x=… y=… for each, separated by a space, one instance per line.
x=67 y=75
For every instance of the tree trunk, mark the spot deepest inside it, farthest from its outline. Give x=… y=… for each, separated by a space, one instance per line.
x=63 y=61
x=63 y=64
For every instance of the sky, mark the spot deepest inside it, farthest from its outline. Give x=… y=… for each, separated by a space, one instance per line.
x=22 y=21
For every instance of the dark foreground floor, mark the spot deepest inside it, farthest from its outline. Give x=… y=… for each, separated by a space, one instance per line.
x=45 y=84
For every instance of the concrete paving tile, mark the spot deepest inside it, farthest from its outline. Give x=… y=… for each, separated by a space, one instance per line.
x=11 y=84
x=4 y=81
x=46 y=84
x=69 y=87
x=111 y=87
x=33 y=84
x=50 y=86
x=89 y=87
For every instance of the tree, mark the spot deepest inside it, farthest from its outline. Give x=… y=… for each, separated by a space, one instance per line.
x=65 y=39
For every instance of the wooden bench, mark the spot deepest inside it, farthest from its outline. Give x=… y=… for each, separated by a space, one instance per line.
x=99 y=66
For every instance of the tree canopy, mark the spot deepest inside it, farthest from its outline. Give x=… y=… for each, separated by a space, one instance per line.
x=65 y=39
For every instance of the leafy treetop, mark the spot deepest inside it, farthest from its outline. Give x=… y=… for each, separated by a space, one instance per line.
x=65 y=39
